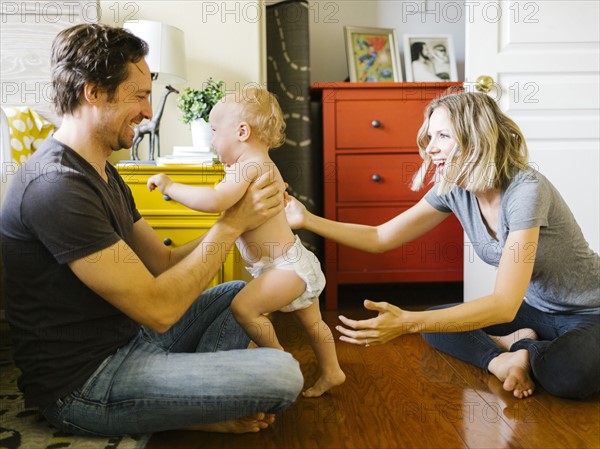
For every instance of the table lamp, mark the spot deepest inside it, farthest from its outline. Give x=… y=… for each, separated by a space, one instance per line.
x=166 y=59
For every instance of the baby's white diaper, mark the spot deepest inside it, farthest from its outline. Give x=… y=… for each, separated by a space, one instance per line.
x=307 y=267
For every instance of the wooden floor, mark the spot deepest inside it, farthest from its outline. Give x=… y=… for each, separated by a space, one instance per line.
x=407 y=395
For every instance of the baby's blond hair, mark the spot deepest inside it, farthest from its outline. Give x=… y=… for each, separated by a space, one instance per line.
x=260 y=109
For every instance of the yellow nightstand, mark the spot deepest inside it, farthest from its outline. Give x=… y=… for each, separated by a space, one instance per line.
x=174 y=223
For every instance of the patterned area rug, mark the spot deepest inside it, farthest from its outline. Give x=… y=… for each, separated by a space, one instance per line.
x=26 y=428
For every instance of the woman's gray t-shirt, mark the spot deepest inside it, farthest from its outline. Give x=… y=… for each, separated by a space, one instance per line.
x=566 y=272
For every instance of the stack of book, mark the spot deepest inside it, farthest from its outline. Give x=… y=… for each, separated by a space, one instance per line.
x=189 y=155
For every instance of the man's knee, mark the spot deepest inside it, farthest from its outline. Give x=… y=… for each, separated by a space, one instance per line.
x=284 y=377
x=232 y=288
x=222 y=293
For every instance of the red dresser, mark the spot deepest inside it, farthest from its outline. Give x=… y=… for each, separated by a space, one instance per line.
x=370 y=156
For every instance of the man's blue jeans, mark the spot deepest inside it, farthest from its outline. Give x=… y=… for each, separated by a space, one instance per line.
x=198 y=372
x=565 y=360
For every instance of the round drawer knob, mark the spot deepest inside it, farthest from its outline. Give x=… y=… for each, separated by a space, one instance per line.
x=168 y=241
x=376 y=124
x=166 y=198
x=376 y=177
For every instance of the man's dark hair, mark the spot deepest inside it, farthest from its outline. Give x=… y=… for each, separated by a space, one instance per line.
x=91 y=53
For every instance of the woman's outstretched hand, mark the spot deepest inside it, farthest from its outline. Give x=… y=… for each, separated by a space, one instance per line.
x=295 y=212
x=387 y=325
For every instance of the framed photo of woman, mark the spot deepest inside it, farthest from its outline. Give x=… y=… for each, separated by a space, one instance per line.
x=372 y=54
x=429 y=58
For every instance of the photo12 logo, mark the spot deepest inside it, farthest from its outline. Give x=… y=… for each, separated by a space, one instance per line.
x=521 y=91
x=26 y=92
x=70 y=12
x=452 y=12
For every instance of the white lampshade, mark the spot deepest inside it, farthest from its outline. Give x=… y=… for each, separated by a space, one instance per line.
x=166 y=57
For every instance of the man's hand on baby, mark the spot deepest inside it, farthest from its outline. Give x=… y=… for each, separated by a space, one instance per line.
x=262 y=201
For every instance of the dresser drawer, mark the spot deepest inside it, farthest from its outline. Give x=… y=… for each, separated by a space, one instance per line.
x=178 y=231
x=440 y=249
x=377 y=177
x=155 y=203
x=377 y=124
x=178 y=236
x=174 y=237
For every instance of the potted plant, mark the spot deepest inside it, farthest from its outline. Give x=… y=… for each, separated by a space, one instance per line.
x=195 y=106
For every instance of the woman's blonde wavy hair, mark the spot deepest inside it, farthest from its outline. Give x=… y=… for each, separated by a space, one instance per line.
x=260 y=109
x=490 y=146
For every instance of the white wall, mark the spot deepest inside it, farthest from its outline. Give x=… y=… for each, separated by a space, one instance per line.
x=328 y=18
x=326 y=29
x=223 y=39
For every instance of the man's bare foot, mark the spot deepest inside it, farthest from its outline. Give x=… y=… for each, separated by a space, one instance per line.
x=512 y=369
x=325 y=383
x=253 y=423
x=506 y=341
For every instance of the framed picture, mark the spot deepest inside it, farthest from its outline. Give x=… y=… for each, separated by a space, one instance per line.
x=429 y=58
x=372 y=54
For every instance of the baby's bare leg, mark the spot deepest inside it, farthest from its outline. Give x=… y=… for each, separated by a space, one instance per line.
x=323 y=344
x=269 y=292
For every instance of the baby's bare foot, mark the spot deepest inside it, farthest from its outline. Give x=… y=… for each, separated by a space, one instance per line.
x=512 y=369
x=325 y=383
x=253 y=423
x=506 y=341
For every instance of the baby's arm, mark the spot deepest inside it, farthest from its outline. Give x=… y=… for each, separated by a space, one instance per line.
x=205 y=199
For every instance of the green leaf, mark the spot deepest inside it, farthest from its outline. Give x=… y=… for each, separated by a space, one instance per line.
x=195 y=104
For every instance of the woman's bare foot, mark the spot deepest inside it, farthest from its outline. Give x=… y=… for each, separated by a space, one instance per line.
x=506 y=341
x=512 y=369
x=324 y=383
x=253 y=423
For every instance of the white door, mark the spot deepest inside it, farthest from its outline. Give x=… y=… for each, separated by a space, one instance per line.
x=544 y=59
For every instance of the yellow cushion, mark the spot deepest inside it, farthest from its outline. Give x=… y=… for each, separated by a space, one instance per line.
x=28 y=130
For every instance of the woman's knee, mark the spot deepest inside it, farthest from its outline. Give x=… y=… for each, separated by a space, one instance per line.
x=442 y=341
x=438 y=340
x=575 y=383
x=444 y=306
x=569 y=367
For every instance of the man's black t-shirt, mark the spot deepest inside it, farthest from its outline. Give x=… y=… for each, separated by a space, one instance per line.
x=58 y=209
